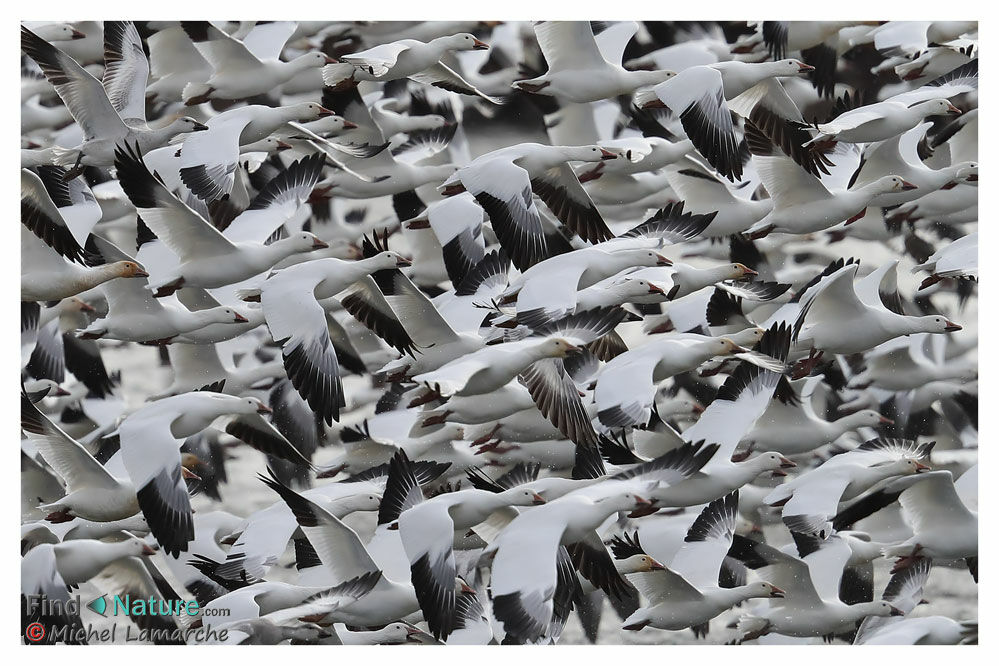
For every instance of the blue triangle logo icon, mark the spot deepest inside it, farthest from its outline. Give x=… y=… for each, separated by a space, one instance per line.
x=98 y=605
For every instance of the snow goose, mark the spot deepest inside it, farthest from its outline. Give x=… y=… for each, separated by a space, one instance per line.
x=626 y=386
x=532 y=574
x=173 y=63
x=905 y=592
x=739 y=402
x=245 y=68
x=296 y=319
x=698 y=95
x=263 y=535
x=811 y=500
x=958 y=260
x=504 y=180
x=581 y=71
x=46 y=276
x=40 y=576
x=345 y=557
x=899 y=156
x=801 y=202
x=382 y=172
x=549 y=288
x=686 y=593
x=208 y=258
x=208 y=160
x=429 y=528
x=791 y=426
x=269 y=611
x=704 y=193
x=150 y=441
x=61 y=213
x=943 y=526
x=883 y=120
x=839 y=318
x=408 y=58
x=810 y=605
x=92 y=492
x=49 y=569
x=107 y=116
x=395 y=633
x=134 y=315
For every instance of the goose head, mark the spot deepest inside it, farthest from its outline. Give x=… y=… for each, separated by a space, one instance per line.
x=400 y=632
x=388 y=259
x=522 y=497
x=309 y=111
x=772 y=462
x=652 y=77
x=186 y=124
x=906 y=467
x=310 y=60
x=128 y=269
x=632 y=287
x=878 y=609
x=790 y=67
x=587 y=154
x=624 y=502
x=740 y=272
x=248 y=405
x=935 y=107
x=58 y=32
x=361 y=502
x=136 y=547
x=222 y=315
x=464 y=41
x=891 y=184
x=763 y=590
x=865 y=418
x=935 y=324
x=640 y=563
x=638 y=257
x=268 y=144
x=557 y=348
x=301 y=242
x=726 y=346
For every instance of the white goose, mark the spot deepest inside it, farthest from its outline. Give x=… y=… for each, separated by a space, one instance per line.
x=532 y=573
x=812 y=499
x=47 y=276
x=842 y=319
x=107 y=113
x=244 y=68
x=503 y=181
x=345 y=557
x=697 y=95
x=408 y=58
x=791 y=426
x=296 y=319
x=801 y=202
x=626 y=386
x=943 y=522
x=92 y=492
x=207 y=257
x=151 y=438
x=739 y=402
x=581 y=71
x=429 y=528
x=811 y=604
x=899 y=156
x=686 y=593
x=207 y=164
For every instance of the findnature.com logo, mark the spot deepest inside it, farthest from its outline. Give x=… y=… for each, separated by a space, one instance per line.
x=58 y=621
